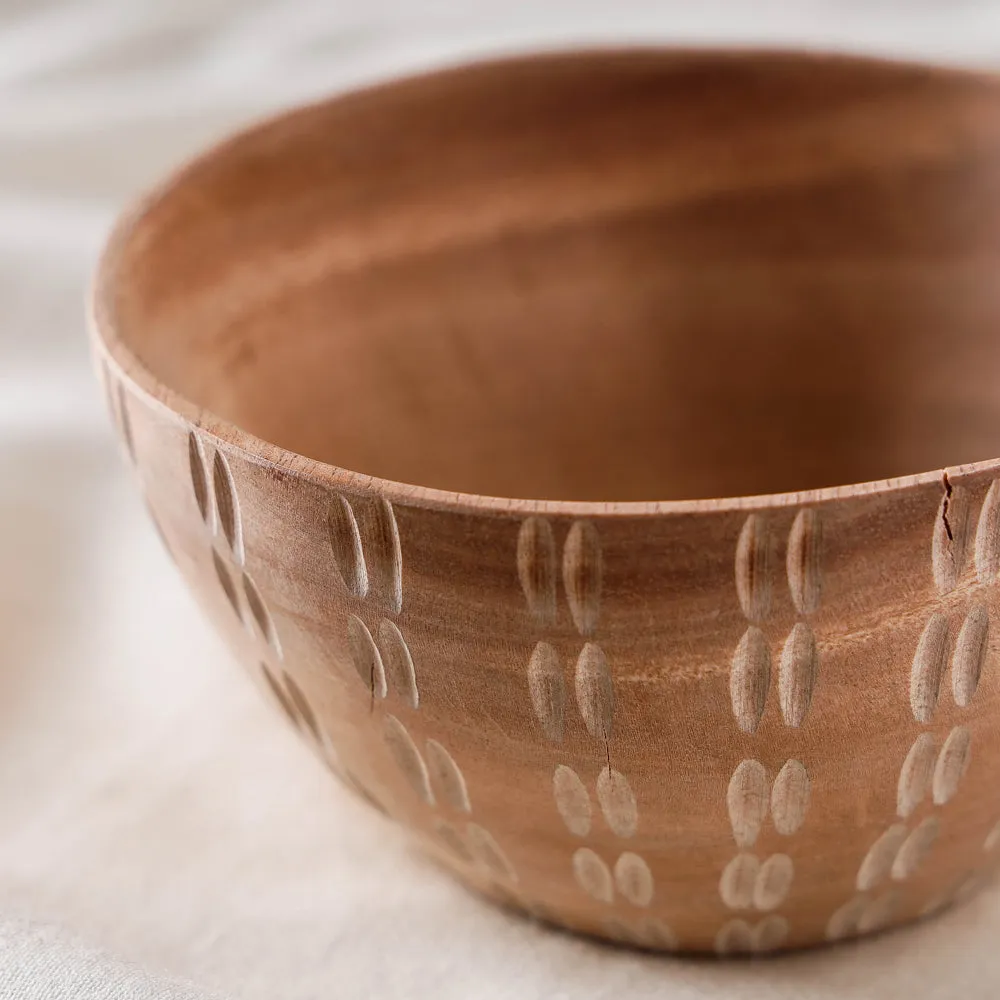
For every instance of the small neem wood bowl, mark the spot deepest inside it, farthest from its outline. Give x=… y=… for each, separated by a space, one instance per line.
x=617 y=286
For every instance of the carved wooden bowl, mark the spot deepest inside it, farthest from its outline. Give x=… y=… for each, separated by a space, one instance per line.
x=622 y=285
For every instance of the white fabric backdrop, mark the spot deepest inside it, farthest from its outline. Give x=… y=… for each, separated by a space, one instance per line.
x=151 y=808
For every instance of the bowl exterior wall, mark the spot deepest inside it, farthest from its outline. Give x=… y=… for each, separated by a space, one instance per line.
x=728 y=730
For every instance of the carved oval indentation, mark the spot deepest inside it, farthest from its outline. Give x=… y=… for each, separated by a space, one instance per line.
x=770 y=934
x=879 y=913
x=987 y=548
x=302 y=706
x=593 y=875
x=199 y=477
x=878 y=861
x=261 y=616
x=618 y=804
x=345 y=544
x=595 y=691
x=447 y=777
x=952 y=763
x=365 y=656
x=739 y=879
x=226 y=582
x=536 y=568
x=951 y=537
x=280 y=696
x=452 y=839
x=634 y=879
x=583 y=574
x=915 y=774
x=805 y=542
x=548 y=691
x=385 y=556
x=227 y=507
x=790 y=797
x=407 y=757
x=970 y=654
x=797 y=675
x=397 y=662
x=735 y=937
x=774 y=880
x=928 y=668
x=125 y=422
x=844 y=921
x=915 y=848
x=749 y=679
x=489 y=853
x=657 y=933
x=747 y=801
x=618 y=930
x=992 y=838
x=572 y=800
x=753 y=568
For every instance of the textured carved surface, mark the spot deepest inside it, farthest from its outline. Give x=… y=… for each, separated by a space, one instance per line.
x=728 y=703
x=970 y=655
x=749 y=679
x=915 y=774
x=753 y=568
x=447 y=778
x=879 y=860
x=617 y=802
x=547 y=688
x=385 y=556
x=536 y=567
x=915 y=848
x=489 y=854
x=582 y=575
x=798 y=674
x=595 y=691
x=227 y=506
x=199 y=477
x=773 y=882
x=572 y=800
x=952 y=763
x=634 y=879
x=928 y=668
x=790 y=797
x=407 y=757
x=803 y=561
x=345 y=543
x=739 y=881
x=987 y=552
x=747 y=801
x=593 y=875
x=398 y=662
x=366 y=657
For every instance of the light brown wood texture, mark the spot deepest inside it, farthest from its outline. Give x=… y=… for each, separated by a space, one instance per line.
x=433 y=392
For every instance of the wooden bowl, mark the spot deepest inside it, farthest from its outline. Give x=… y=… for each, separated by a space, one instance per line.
x=622 y=284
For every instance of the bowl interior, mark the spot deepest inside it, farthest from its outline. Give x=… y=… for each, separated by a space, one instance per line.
x=611 y=276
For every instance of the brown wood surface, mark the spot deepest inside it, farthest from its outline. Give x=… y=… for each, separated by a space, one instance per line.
x=617 y=287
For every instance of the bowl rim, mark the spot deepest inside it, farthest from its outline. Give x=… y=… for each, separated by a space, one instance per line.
x=104 y=326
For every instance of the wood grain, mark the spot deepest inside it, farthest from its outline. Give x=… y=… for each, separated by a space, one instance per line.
x=594 y=457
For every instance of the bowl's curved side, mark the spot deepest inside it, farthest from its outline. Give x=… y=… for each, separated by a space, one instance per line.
x=719 y=730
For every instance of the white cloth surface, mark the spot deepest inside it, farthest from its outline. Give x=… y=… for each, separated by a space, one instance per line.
x=152 y=807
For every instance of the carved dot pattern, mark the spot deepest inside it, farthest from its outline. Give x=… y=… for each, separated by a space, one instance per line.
x=737 y=937
x=746 y=882
x=651 y=933
x=292 y=702
x=901 y=851
x=582 y=575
